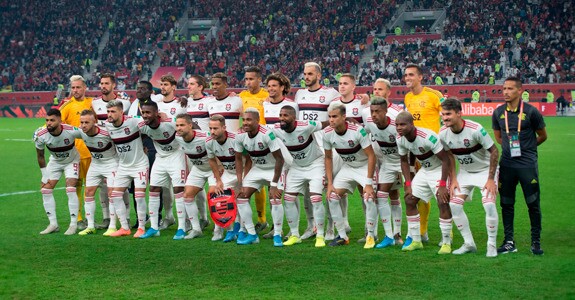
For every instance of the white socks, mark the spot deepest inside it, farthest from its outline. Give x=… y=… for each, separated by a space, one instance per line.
x=246 y=214
x=73 y=205
x=192 y=212
x=49 y=205
x=154 y=207
x=291 y=213
x=318 y=214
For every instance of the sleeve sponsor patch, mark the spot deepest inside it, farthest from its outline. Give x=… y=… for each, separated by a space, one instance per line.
x=433 y=139
x=362 y=131
x=272 y=136
x=483 y=132
x=312 y=123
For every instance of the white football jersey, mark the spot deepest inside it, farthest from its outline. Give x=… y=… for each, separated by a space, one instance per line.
x=62 y=148
x=195 y=150
x=163 y=137
x=99 y=106
x=424 y=147
x=392 y=111
x=386 y=138
x=348 y=145
x=101 y=147
x=260 y=147
x=354 y=108
x=230 y=108
x=313 y=104
x=171 y=108
x=469 y=146
x=225 y=152
x=300 y=142
x=272 y=111
x=198 y=109
x=128 y=142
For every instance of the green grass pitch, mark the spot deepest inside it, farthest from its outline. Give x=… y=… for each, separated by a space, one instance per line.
x=58 y=266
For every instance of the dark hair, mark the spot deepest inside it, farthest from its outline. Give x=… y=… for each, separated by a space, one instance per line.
x=147 y=84
x=88 y=112
x=169 y=78
x=149 y=102
x=283 y=81
x=419 y=70
x=517 y=80
x=451 y=103
x=290 y=109
x=109 y=75
x=186 y=117
x=54 y=112
x=221 y=76
x=200 y=80
x=254 y=69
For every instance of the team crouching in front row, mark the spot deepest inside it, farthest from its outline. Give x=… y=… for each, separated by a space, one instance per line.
x=292 y=158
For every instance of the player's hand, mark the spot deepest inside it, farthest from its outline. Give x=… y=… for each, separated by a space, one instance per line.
x=454 y=188
x=407 y=192
x=368 y=192
x=491 y=188
x=275 y=193
x=219 y=189
x=442 y=194
x=44 y=172
x=330 y=189
x=183 y=101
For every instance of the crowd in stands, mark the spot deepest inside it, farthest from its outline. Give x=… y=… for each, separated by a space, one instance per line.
x=486 y=41
x=281 y=36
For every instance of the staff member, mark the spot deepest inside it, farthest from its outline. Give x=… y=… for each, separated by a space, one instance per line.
x=519 y=128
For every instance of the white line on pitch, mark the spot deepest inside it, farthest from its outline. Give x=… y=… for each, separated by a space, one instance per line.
x=26 y=192
x=19 y=140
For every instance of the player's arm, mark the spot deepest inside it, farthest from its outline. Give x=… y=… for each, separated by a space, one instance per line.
x=454 y=185
x=42 y=164
x=496 y=128
x=406 y=173
x=239 y=167
x=329 y=171
x=490 y=185
x=442 y=192
x=541 y=136
x=371 y=161
x=277 y=173
x=214 y=165
x=497 y=135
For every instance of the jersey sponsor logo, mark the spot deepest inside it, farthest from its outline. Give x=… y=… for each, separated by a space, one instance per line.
x=351 y=143
x=355 y=111
x=261 y=145
x=173 y=111
x=300 y=139
x=127 y=130
x=421 y=150
x=322 y=99
x=466 y=143
x=228 y=106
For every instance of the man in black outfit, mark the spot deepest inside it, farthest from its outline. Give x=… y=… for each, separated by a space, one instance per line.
x=519 y=128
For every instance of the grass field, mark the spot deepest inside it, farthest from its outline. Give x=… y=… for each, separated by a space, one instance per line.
x=58 y=266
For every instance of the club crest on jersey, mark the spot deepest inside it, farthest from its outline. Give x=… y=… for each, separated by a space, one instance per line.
x=421 y=150
x=67 y=141
x=200 y=106
x=127 y=130
x=173 y=111
x=232 y=151
x=466 y=143
x=228 y=106
x=261 y=145
x=351 y=143
x=392 y=138
x=355 y=111
x=166 y=134
x=300 y=139
x=100 y=145
x=322 y=99
x=199 y=149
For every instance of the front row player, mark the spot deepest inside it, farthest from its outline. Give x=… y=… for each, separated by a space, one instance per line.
x=64 y=158
x=478 y=157
x=431 y=180
x=267 y=164
x=133 y=165
x=348 y=140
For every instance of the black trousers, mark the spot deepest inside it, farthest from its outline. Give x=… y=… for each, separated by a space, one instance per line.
x=528 y=178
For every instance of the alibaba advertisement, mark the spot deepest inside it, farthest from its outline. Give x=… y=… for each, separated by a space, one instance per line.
x=486 y=109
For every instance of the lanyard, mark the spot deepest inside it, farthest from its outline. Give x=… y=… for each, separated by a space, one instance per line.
x=518 y=121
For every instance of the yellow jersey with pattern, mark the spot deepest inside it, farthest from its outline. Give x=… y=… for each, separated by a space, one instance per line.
x=425 y=108
x=255 y=101
x=71 y=115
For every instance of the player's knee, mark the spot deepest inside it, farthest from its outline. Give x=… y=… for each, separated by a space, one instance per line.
x=70 y=189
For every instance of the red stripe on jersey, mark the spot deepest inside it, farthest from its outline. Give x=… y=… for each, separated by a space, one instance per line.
x=92 y=149
x=464 y=151
x=302 y=146
x=386 y=144
x=102 y=117
x=259 y=153
x=42 y=132
x=196 y=156
x=168 y=140
x=328 y=129
x=425 y=155
x=67 y=127
x=272 y=120
x=263 y=130
x=199 y=134
x=470 y=124
x=313 y=106
x=127 y=139
x=420 y=133
x=230 y=135
x=228 y=159
x=349 y=150
x=277 y=125
x=228 y=115
x=209 y=139
x=199 y=114
x=61 y=149
x=443 y=128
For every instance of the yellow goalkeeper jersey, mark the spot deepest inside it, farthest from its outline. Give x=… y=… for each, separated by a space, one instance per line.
x=71 y=115
x=425 y=108
x=255 y=101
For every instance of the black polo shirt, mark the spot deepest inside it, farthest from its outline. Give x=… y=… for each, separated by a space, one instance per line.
x=531 y=121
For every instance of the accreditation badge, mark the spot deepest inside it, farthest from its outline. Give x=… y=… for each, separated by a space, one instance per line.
x=514 y=145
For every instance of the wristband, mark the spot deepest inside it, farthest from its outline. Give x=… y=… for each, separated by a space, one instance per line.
x=408 y=183
x=412 y=169
x=369 y=181
x=273 y=184
x=442 y=183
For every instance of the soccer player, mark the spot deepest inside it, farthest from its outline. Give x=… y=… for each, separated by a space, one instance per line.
x=278 y=88
x=429 y=181
x=64 y=158
x=101 y=172
x=230 y=107
x=477 y=156
x=254 y=97
x=198 y=103
x=313 y=103
x=193 y=143
x=382 y=88
x=169 y=108
x=169 y=168
x=133 y=165
x=71 y=116
x=348 y=140
x=220 y=146
x=354 y=103
x=424 y=104
x=107 y=86
x=267 y=163
x=384 y=132
x=519 y=128
x=306 y=173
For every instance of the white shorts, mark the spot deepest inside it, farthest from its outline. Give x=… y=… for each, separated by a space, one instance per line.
x=169 y=169
x=348 y=178
x=198 y=177
x=390 y=173
x=99 y=173
x=337 y=162
x=70 y=170
x=300 y=179
x=468 y=181
x=229 y=180
x=256 y=178
x=124 y=177
x=425 y=184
